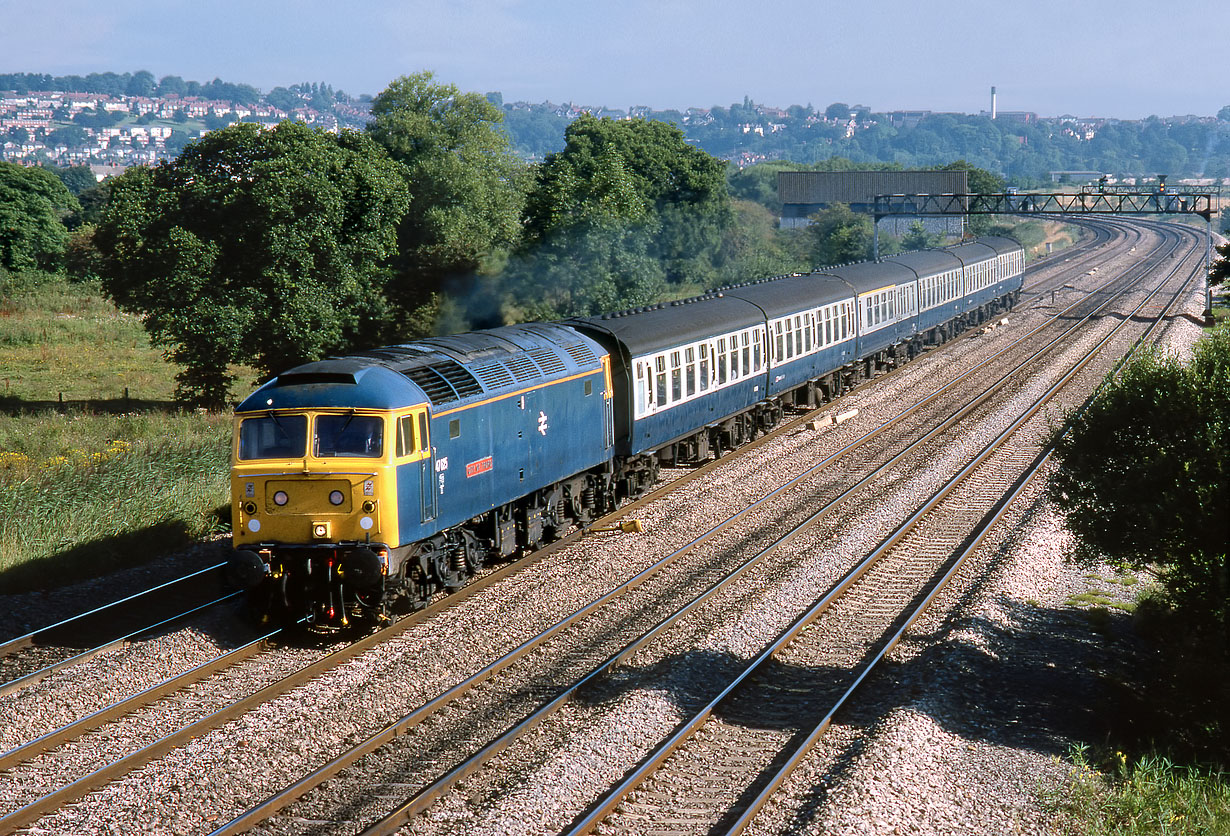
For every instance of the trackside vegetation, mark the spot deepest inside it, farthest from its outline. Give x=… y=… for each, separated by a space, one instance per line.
x=1144 y=482
x=90 y=480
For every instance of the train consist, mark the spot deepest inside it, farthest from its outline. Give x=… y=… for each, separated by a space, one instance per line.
x=369 y=482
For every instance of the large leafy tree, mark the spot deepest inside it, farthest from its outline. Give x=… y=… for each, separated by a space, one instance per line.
x=840 y=235
x=640 y=173
x=254 y=246
x=32 y=204
x=1145 y=473
x=466 y=188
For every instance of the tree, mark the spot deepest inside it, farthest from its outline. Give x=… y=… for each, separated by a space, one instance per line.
x=32 y=203
x=837 y=111
x=70 y=136
x=141 y=84
x=840 y=235
x=1220 y=270
x=253 y=246
x=979 y=181
x=283 y=99
x=465 y=186
x=76 y=178
x=1145 y=473
x=917 y=237
x=172 y=85
x=639 y=172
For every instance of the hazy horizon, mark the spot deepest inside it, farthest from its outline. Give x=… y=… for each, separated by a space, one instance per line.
x=1124 y=59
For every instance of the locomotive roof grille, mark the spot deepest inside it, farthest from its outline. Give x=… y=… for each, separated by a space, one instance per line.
x=581 y=353
x=523 y=368
x=494 y=375
x=548 y=361
x=444 y=382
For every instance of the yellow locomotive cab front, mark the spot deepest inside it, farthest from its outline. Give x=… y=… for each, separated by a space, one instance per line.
x=313 y=478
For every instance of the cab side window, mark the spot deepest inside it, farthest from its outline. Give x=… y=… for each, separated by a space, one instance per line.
x=411 y=434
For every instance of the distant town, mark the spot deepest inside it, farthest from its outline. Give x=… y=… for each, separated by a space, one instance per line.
x=110 y=133
x=110 y=122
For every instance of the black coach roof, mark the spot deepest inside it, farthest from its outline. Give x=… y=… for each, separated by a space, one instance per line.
x=658 y=327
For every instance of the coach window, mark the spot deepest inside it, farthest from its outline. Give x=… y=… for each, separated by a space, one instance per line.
x=690 y=356
x=747 y=353
x=756 y=337
x=780 y=353
x=661 y=366
x=704 y=367
x=721 y=361
x=676 y=378
x=640 y=388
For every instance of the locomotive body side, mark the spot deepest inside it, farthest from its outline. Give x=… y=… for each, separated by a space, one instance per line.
x=397 y=472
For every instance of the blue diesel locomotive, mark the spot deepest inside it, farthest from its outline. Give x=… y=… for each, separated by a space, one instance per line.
x=371 y=481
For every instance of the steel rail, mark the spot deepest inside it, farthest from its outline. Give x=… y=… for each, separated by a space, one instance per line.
x=52 y=739
x=21 y=642
x=43 y=673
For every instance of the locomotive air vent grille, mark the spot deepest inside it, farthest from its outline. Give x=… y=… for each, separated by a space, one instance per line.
x=581 y=353
x=548 y=361
x=523 y=368
x=434 y=386
x=493 y=375
x=444 y=382
x=460 y=378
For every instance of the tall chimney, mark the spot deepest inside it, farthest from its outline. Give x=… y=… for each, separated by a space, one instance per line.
x=992 y=102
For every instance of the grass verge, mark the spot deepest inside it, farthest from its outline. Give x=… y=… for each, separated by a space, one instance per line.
x=1163 y=767
x=1111 y=794
x=91 y=481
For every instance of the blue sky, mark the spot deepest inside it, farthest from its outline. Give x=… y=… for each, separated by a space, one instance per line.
x=1120 y=58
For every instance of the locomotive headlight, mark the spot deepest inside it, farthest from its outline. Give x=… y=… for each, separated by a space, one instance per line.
x=369 y=507
x=249 y=508
x=337 y=497
x=280 y=498
x=320 y=530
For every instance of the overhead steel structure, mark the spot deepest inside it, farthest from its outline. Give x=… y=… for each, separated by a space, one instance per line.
x=1158 y=199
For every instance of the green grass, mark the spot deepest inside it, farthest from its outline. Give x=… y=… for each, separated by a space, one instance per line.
x=100 y=482
x=61 y=340
x=1116 y=794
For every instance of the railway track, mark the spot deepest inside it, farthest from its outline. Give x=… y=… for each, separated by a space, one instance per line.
x=379 y=739
x=457 y=600
x=767 y=718
x=746 y=748
x=30 y=658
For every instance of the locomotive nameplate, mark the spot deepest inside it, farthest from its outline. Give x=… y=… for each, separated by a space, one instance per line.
x=480 y=466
